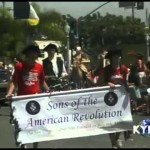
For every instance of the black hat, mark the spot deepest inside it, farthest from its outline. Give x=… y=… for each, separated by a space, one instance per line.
x=113 y=52
x=51 y=47
x=31 y=48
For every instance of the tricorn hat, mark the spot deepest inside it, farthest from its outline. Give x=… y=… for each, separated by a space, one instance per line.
x=113 y=52
x=31 y=48
x=50 y=47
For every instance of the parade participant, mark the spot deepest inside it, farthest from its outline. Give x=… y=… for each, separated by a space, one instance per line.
x=79 y=72
x=141 y=67
x=100 y=64
x=133 y=79
x=27 y=76
x=112 y=69
x=53 y=65
x=117 y=75
x=112 y=74
x=146 y=83
x=79 y=58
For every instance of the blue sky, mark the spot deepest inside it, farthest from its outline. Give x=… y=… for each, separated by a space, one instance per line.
x=77 y=9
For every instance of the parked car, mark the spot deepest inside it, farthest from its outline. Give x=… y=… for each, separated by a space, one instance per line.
x=4 y=80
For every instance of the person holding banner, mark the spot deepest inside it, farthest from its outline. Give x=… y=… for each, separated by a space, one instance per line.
x=116 y=77
x=27 y=76
x=112 y=74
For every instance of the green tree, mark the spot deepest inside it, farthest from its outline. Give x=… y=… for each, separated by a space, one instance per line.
x=52 y=25
x=11 y=34
x=109 y=29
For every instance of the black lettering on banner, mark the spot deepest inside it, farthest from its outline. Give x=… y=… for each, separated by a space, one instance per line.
x=75 y=104
x=55 y=105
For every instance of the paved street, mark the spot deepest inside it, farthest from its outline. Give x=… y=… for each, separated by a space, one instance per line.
x=100 y=141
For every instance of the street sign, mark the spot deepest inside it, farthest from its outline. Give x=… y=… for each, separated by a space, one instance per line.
x=140 y=5
x=126 y=4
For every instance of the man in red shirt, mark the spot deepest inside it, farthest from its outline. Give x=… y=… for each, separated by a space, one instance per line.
x=117 y=75
x=28 y=76
x=114 y=73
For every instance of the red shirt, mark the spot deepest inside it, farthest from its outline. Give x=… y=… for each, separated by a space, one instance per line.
x=28 y=78
x=123 y=71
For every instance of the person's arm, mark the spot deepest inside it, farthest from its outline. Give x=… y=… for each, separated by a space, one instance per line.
x=64 y=72
x=112 y=85
x=45 y=86
x=10 y=90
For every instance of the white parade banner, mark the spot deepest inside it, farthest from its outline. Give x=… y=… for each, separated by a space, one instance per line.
x=71 y=114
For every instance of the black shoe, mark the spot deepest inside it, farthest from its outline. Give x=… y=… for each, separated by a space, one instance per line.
x=23 y=146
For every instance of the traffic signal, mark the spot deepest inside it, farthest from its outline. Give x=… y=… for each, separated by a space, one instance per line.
x=73 y=27
x=72 y=42
x=84 y=40
x=81 y=40
x=140 y=5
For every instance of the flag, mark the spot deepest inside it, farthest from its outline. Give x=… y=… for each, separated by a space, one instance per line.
x=33 y=17
x=21 y=10
x=25 y=11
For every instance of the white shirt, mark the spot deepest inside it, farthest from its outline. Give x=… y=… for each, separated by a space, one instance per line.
x=55 y=68
x=54 y=63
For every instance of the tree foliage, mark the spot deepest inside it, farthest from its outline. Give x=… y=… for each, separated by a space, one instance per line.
x=52 y=25
x=98 y=31
x=109 y=29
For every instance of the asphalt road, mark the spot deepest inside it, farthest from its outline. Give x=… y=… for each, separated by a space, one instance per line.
x=101 y=141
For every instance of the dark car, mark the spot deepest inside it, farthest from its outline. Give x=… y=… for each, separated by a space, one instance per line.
x=4 y=80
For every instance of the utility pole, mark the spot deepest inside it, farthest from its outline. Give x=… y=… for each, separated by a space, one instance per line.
x=3 y=9
x=147 y=37
x=132 y=13
x=147 y=18
x=67 y=29
x=3 y=4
